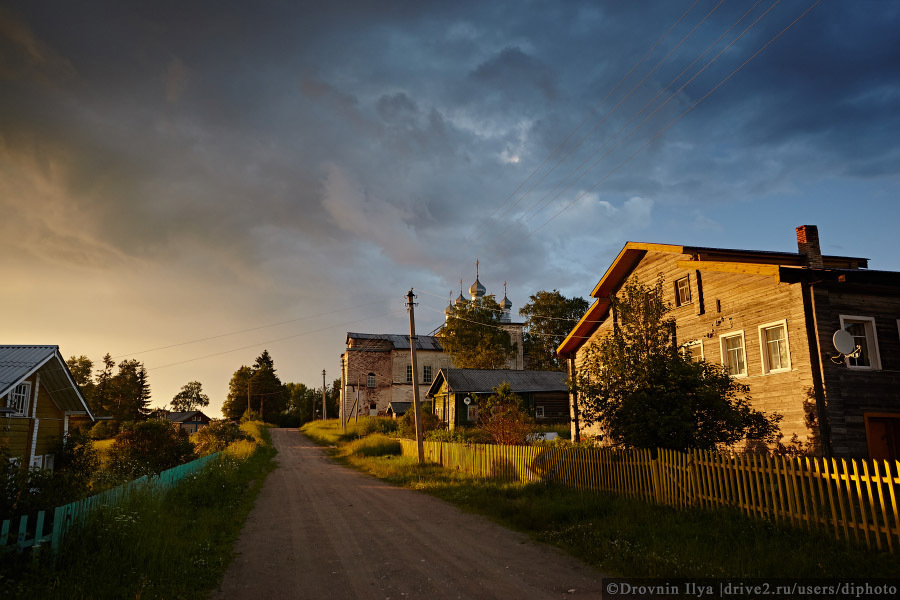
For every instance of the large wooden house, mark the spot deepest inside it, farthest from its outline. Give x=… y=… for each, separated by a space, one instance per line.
x=39 y=396
x=770 y=318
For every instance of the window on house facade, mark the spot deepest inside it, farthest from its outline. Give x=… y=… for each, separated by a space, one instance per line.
x=539 y=412
x=18 y=399
x=472 y=412
x=370 y=380
x=683 y=291
x=409 y=374
x=773 y=341
x=693 y=350
x=865 y=337
x=426 y=374
x=733 y=356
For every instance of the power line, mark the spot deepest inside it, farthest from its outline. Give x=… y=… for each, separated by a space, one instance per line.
x=263 y=343
x=212 y=337
x=682 y=115
x=586 y=120
x=562 y=187
x=609 y=113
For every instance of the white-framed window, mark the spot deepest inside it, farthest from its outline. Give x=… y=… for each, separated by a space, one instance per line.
x=539 y=412
x=773 y=343
x=734 y=356
x=683 y=291
x=866 y=339
x=409 y=374
x=692 y=350
x=19 y=399
x=472 y=412
x=48 y=461
x=370 y=380
x=426 y=374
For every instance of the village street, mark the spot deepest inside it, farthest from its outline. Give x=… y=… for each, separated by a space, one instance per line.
x=319 y=530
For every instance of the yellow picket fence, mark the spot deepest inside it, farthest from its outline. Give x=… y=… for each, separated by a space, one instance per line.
x=853 y=499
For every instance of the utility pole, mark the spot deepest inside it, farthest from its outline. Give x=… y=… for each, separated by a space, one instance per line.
x=324 y=416
x=413 y=342
x=342 y=399
x=356 y=405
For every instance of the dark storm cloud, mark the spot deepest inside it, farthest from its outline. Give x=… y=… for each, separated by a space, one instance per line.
x=230 y=123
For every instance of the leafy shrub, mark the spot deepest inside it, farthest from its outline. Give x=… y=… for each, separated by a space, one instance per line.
x=407 y=423
x=24 y=491
x=369 y=425
x=149 y=447
x=463 y=435
x=102 y=430
x=374 y=445
x=217 y=436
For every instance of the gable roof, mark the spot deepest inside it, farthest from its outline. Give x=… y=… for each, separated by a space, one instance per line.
x=760 y=262
x=181 y=417
x=397 y=341
x=18 y=363
x=483 y=381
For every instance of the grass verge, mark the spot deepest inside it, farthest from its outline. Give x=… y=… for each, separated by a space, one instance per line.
x=623 y=537
x=175 y=544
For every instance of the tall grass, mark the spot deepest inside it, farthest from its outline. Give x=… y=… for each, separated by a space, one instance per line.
x=155 y=545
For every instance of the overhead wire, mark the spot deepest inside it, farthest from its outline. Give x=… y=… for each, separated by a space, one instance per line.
x=610 y=112
x=555 y=192
x=589 y=116
x=681 y=116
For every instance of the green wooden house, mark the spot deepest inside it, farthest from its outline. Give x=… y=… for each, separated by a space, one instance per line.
x=455 y=393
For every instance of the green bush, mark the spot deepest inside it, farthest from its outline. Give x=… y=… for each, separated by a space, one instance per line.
x=369 y=425
x=374 y=445
x=464 y=435
x=407 y=423
x=217 y=436
x=102 y=430
x=149 y=447
x=24 y=491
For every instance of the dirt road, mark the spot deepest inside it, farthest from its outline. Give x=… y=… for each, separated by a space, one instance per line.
x=319 y=530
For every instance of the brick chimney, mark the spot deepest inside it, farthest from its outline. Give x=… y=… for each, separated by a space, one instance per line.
x=808 y=246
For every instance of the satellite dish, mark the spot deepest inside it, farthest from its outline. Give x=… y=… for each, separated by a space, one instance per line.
x=843 y=342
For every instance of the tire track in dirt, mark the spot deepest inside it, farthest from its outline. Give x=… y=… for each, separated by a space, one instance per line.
x=322 y=531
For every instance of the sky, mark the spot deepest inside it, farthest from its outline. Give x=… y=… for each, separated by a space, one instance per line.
x=188 y=184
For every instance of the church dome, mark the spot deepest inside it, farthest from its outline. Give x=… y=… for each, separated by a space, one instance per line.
x=449 y=310
x=505 y=304
x=460 y=300
x=477 y=290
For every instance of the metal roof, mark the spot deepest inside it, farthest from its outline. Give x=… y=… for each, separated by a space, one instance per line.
x=399 y=408
x=180 y=417
x=17 y=363
x=399 y=341
x=483 y=381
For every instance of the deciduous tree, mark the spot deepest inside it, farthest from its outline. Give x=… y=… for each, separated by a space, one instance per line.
x=474 y=337
x=549 y=317
x=504 y=417
x=645 y=394
x=191 y=397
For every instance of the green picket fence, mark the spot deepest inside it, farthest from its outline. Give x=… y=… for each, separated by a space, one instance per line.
x=20 y=534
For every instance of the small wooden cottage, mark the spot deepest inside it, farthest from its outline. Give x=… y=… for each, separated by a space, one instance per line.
x=39 y=396
x=769 y=318
x=455 y=393
x=189 y=421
